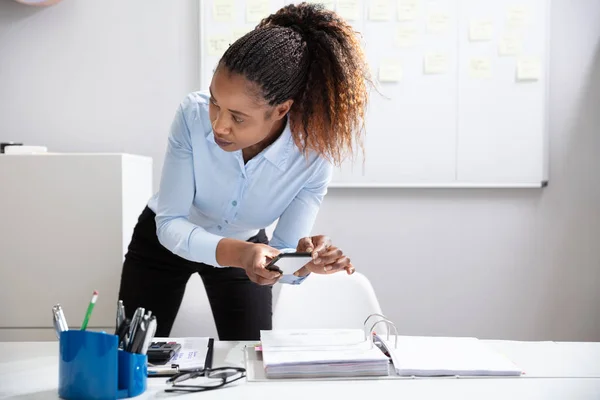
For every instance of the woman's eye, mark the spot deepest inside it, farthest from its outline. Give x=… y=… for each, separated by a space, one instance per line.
x=238 y=120
x=213 y=102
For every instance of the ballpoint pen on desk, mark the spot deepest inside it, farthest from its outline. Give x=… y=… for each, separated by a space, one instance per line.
x=90 y=308
x=59 y=321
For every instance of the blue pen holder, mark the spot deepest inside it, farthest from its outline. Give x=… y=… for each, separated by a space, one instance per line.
x=91 y=367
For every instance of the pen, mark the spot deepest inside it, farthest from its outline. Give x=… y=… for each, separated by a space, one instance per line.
x=120 y=315
x=59 y=321
x=123 y=333
x=140 y=335
x=90 y=308
x=135 y=320
x=150 y=331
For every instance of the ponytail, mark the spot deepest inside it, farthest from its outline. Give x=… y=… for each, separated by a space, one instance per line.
x=311 y=55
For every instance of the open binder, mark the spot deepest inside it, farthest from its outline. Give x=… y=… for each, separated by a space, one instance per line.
x=363 y=353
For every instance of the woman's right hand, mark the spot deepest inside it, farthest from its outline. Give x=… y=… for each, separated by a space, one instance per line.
x=254 y=259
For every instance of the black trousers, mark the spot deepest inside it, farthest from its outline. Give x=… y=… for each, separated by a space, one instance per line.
x=155 y=278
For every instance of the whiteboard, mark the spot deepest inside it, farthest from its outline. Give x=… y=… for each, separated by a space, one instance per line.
x=462 y=87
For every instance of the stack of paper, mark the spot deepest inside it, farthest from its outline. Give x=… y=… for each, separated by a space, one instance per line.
x=317 y=353
x=443 y=356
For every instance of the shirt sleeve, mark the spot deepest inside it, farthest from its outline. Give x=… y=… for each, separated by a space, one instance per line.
x=299 y=217
x=175 y=197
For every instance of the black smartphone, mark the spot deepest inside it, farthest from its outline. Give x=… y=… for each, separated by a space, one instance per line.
x=288 y=263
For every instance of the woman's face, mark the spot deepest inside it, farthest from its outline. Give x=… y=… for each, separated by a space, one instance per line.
x=240 y=118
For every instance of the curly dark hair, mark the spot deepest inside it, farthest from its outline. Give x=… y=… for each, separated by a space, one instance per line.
x=310 y=55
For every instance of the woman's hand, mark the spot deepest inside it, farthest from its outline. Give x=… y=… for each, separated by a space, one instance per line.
x=254 y=258
x=327 y=259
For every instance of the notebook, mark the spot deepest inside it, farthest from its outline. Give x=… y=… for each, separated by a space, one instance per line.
x=336 y=353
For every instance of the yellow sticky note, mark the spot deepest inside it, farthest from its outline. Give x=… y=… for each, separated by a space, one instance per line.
x=528 y=69
x=481 y=30
x=328 y=4
x=510 y=45
x=380 y=10
x=438 y=21
x=348 y=9
x=223 y=10
x=256 y=10
x=238 y=33
x=407 y=10
x=435 y=63
x=406 y=36
x=217 y=44
x=390 y=70
x=480 y=67
x=517 y=16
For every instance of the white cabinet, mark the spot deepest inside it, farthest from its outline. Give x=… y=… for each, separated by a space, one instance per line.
x=65 y=223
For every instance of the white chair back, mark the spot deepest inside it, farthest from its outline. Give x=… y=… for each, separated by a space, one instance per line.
x=327 y=301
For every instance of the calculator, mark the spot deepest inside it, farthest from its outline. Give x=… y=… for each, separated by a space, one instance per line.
x=161 y=352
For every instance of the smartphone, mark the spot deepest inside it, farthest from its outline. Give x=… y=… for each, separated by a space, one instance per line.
x=288 y=263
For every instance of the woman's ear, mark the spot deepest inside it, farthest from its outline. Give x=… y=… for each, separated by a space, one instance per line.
x=282 y=109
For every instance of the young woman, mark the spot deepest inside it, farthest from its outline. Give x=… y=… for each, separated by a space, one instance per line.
x=286 y=102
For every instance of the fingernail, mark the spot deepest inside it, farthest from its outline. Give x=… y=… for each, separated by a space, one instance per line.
x=296 y=273
x=317 y=261
x=329 y=268
x=309 y=250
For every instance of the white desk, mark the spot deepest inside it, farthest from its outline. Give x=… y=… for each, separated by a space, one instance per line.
x=30 y=371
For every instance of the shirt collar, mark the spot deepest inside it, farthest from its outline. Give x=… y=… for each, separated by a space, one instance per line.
x=277 y=152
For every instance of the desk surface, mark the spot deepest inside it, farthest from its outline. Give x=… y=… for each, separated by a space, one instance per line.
x=555 y=370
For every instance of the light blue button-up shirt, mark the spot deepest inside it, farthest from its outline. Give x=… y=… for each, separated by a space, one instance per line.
x=207 y=194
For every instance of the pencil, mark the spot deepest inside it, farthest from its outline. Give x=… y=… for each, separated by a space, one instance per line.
x=88 y=313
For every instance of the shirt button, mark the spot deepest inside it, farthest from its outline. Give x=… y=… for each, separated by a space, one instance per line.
x=234 y=203
x=219 y=227
x=226 y=221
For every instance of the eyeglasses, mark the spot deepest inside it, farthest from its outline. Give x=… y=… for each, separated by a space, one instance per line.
x=214 y=379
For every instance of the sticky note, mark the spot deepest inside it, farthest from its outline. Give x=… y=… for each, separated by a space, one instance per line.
x=328 y=4
x=510 y=45
x=223 y=10
x=435 y=63
x=380 y=10
x=237 y=33
x=217 y=44
x=390 y=70
x=406 y=36
x=480 y=67
x=481 y=30
x=438 y=21
x=348 y=9
x=407 y=10
x=256 y=10
x=528 y=69
x=517 y=16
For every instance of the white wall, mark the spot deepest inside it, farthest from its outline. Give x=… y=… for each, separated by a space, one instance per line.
x=516 y=264
x=101 y=75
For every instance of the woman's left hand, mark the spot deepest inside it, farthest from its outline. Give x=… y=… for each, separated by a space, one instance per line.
x=327 y=259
